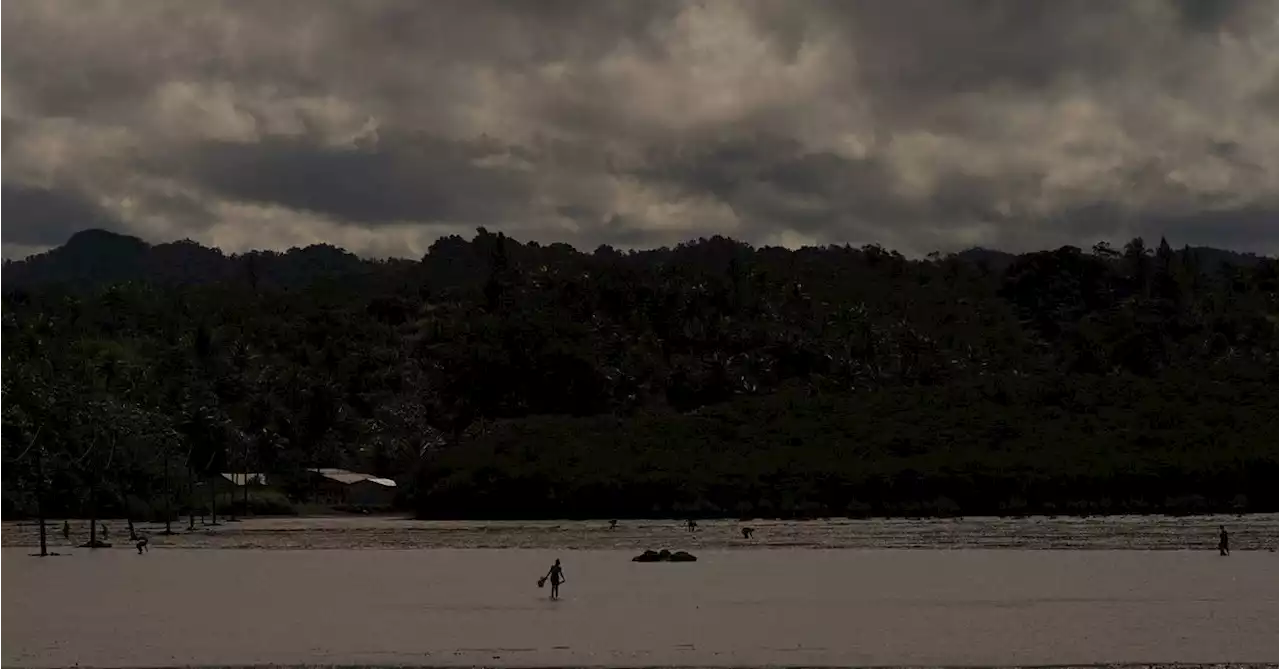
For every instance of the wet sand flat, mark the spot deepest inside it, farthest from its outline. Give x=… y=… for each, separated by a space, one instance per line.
x=793 y=607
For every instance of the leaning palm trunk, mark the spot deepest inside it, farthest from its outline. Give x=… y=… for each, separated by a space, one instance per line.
x=213 y=504
x=213 y=491
x=244 y=494
x=93 y=513
x=44 y=541
x=244 y=498
x=168 y=497
x=191 y=498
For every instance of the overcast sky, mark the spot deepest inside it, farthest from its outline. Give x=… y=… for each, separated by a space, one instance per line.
x=379 y=126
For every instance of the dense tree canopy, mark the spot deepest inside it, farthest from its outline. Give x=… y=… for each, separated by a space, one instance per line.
x=502 y=379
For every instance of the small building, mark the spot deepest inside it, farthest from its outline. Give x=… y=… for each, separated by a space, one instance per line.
x=227 y=482
x=372 y=492
x=339 y=486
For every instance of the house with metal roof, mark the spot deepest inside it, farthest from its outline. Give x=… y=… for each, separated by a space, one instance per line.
x=340 y=486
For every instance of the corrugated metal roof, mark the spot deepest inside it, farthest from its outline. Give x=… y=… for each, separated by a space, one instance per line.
x=346 y=477
x=349 y=477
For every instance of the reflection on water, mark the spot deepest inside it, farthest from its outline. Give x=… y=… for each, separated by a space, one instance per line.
x=732 y=607
x=1252 y=532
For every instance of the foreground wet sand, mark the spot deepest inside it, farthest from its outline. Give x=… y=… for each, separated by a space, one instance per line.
x=792 y=607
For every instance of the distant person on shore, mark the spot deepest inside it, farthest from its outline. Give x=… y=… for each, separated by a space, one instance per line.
x=692 y=525
x=613 y=524
x=1224 y=542
x=66 y=530
x=143 y=545
x=104 y=530
x=556 y=576
x=747 y=532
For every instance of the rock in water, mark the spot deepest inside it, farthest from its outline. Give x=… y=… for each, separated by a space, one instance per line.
x=664 y=555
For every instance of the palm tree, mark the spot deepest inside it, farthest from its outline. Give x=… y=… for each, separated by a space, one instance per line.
x=44 y=537
x=168 y=492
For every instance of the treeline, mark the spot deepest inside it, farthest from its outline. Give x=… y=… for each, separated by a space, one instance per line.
x=1004 y=445
x=499 y=379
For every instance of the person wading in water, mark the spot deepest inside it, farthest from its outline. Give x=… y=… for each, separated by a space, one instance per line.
x=556 y=575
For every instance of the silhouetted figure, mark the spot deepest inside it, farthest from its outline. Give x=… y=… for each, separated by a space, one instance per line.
x=104 y=530
x=747 y=532
x=692 y=525
x=1224 y=542
x=143 y=545
x=556 y=575
x=613 y=524
x=66 y=530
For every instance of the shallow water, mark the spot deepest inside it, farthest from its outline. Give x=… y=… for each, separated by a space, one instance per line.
x=733 y=607
x=1251 y=532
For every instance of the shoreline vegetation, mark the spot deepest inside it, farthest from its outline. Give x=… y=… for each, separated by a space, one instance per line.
x=631 y=536
x=897 y=453
x=495 y=379
x=54 y=524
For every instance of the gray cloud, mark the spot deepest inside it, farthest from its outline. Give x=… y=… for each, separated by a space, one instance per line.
x=380 y=125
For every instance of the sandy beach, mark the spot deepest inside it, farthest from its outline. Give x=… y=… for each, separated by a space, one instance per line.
x=781 y=607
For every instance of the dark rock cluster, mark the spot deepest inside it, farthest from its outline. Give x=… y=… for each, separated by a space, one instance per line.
x=664 y=555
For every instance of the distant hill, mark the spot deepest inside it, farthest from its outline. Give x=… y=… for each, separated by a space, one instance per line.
x=996 y=260
x=1208 y=259
x=94 y=258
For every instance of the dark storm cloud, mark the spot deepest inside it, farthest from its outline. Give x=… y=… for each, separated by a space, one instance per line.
x=1230 y=228
x=35 y=216
x=767 y=180
x=1205 y=14
x=377 y=125
x=1020 y=44
x=401 y=181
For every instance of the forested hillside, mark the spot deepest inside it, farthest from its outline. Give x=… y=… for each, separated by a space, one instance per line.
x=499 y=379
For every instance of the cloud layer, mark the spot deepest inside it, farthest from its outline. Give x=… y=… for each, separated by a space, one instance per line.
x=380 y=125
